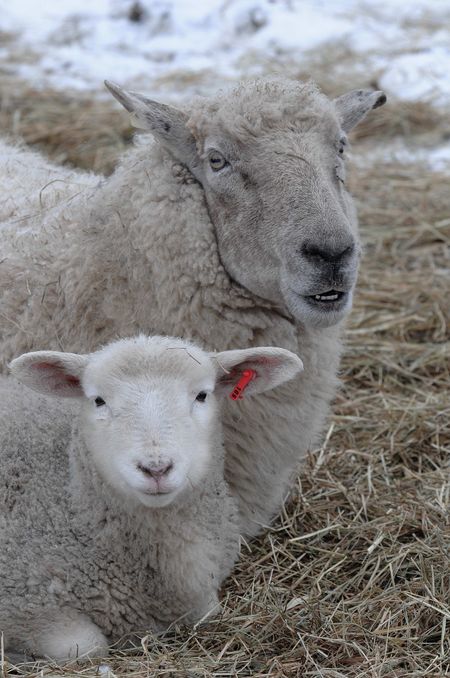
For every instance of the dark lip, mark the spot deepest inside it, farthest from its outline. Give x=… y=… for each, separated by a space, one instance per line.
x=324 y=305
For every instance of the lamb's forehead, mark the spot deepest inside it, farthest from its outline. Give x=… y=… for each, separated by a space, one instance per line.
x=261 y=106
x=148 y=357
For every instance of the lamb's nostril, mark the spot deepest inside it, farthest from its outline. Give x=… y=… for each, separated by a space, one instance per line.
x=155 y=471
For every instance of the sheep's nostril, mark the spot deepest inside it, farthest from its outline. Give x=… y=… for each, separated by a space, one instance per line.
x=155 y=471
x=328 y=254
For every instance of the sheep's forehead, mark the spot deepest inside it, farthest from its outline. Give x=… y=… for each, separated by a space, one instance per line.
x=258 y=108
x=149 y=362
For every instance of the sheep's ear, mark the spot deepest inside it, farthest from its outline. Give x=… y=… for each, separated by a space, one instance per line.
x=271 y=367
x=354 y=106
x=51 y=372
x=166 y=123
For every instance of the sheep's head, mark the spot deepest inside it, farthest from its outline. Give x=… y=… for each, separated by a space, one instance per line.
x=149 y=417
x=270 y=158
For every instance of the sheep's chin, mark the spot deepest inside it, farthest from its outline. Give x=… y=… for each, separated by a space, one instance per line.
x=314 y=315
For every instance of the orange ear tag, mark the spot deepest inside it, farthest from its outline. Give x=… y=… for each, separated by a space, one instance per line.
x=237 y=392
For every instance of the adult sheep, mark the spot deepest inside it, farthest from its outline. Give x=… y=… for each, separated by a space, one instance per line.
x=231 y=227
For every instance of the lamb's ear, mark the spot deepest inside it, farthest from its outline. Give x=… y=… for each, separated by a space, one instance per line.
x=271 y=367
x=354 y=106
x=51 y=372
x=166 y=123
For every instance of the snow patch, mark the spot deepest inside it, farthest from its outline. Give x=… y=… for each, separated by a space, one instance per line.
x=76 y=44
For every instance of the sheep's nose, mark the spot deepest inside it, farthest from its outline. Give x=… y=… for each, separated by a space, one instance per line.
x=332 y=255
x=155 y=471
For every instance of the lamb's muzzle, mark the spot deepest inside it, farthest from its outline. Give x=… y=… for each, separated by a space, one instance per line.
x=157 y=477
x=156 y=471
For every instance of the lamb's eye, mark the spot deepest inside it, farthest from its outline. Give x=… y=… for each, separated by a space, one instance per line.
x=201 y=397
x=99 y=401
x=217 y=161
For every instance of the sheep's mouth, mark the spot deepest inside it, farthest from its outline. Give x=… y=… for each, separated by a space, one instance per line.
x=324 y=308
x=326 y=299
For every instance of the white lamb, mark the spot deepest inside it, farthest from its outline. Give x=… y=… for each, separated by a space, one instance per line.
x=232 y=228
x=115 y=518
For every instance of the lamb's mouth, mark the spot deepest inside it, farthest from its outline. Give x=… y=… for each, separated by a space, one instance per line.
x=331 y=299
x=157 y=492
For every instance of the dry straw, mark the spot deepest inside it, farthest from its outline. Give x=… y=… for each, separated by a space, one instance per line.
x=354 y=578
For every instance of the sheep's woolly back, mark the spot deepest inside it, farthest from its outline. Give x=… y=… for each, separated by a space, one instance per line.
x=259 y=107
x=30 y=184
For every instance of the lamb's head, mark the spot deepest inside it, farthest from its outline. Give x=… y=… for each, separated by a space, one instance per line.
x=270 y=158
x=150 y=415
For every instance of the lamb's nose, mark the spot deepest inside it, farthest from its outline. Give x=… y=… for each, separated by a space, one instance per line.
x=155 y=471
x=332 y=255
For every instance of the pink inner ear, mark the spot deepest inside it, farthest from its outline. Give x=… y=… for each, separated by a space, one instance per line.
x=45 y=366
x=235 y=374
x=70 y=379
x=57 y=373
x=253 y=364
x=265 y=360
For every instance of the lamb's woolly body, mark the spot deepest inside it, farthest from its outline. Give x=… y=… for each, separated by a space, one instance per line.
x=138 y=252
x=75 y=547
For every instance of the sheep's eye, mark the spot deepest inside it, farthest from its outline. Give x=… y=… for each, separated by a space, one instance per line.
x=99 y=401
x=201 y=397
x=217 y=161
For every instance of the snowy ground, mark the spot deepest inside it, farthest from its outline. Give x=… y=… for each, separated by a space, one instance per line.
x=175 y=47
